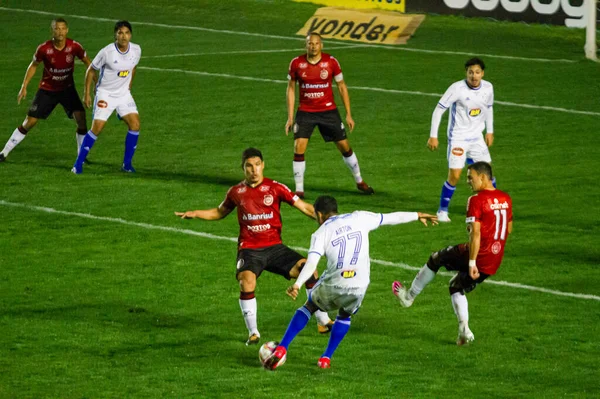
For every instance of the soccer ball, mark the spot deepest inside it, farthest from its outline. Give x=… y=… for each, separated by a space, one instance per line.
x=266 y=352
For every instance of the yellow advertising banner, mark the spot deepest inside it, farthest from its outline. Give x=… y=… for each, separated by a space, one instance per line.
x=393 y=5
x=367 y=26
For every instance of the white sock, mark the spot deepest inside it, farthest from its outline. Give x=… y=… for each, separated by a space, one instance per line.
x=423 y=277
x=352 y=164
x=79 y=138
x=299 y=168
x=322 y=317
x=13 y=141
x=461 y=308
x=248 y=307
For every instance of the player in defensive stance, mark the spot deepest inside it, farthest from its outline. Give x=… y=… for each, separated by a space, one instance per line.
x=315 y=72
x=489 y=222
x=471 y=103
x=258 y=200
x=117 y=64
x=344 y=240
x=56 y=87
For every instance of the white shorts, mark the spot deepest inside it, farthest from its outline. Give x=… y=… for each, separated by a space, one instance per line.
x=459 y=151
x=329 y=298
x=105 y=104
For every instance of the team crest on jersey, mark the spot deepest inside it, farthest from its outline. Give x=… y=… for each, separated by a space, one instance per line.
x=241 y=190
x=348 y=273
x=123 y=74
x=268 y=200
x=102 y=104
x=475 y=112
x=264 y=188
x=69 y=58
x=68 y=49
x=458 y=151
x=324 y=64
x=496 y=247
x=324 y=74
x=50 y=51
x=302 y=65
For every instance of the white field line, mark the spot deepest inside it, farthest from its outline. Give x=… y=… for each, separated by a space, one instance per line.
x=294 y=50
x=393 y=91
x=231 y=32
x=232 y=239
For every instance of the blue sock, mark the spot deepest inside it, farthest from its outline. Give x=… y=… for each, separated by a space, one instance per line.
x=446 y=196
x=299 y=321
x=338 y=332
x=130 y=145
x=494 y=181
x=86 y=145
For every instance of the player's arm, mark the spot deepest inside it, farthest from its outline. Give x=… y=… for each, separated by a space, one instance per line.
x=474 y=229
x=343 y=89
x=489 y=126
x=91 y=75
x=207 y=214
x=29 y=74
x=407 y=217
x=305 y=274
x=305 y=208
x=290 y=98
x=132 y=76
x=436 y=119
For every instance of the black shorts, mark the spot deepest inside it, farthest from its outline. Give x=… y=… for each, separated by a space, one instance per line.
x=45 y=101
x=330 y=125
x=456 y=258
x=277 y=259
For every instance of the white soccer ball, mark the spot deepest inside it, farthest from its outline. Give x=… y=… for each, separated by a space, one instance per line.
x=266 y=352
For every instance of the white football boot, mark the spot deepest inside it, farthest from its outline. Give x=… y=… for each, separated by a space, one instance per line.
x=442 y=216
x=465 y=336
x=402 y=294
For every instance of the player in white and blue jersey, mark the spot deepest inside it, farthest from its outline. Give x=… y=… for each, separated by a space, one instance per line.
x=344 y=240
x=117 y=64
x=471 y=102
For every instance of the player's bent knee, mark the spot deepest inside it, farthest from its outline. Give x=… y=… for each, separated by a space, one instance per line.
x=433 y=263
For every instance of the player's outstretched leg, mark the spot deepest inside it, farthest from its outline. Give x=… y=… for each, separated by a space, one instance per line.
x=338 y=332
x=351 y=162
x=130 y=145
x=15 y=138
x=324 y=323
x=427 y=273
x=297 y=324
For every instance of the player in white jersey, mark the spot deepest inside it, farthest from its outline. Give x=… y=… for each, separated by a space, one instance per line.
x=117 y=65
x=471 y=104
x=344 y=240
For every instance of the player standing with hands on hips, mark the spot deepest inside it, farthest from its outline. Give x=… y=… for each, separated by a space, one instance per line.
x=471 y=102
x=315 y=72
x=117 y=65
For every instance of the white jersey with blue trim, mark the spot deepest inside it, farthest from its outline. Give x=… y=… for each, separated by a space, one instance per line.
x=344 y=240
x=470 y=110
x=116 y=68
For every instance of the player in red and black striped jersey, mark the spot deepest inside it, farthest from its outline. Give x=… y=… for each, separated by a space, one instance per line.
x=315 y=72
x=56 y=86
x=258 y=201
x=489 y=222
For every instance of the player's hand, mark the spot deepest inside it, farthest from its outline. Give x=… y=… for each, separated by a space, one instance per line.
x=185 y=215
x=424 y=217
x=288 y=126
x=22 y=94
x=473 y=272
x=489 y=139
x=350 y=122
x=292 y=291
x=87 y=100
x=433 y=143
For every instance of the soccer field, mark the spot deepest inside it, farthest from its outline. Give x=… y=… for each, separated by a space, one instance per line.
x=105 y=293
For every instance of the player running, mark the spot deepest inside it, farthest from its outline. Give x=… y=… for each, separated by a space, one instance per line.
x=489 y=222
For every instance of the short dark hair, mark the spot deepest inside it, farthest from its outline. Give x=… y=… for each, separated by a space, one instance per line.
x=482 y=168
x=326 y=204
x=314 y=34
x=123 y=23
x=475 y=61
x=250 y=153
x=57 y=20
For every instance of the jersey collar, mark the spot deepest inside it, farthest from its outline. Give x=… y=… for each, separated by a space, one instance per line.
x=120 y=52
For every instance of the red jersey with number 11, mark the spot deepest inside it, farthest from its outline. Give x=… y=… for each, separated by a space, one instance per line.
x=258 y=212
x=493 y=210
